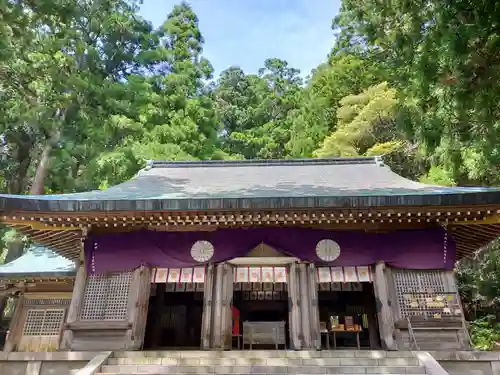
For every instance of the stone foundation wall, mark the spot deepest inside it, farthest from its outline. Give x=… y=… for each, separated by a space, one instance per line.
x=468 y=363
x=58 y=363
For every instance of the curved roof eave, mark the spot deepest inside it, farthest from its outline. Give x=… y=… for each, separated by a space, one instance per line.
x=257 y=184
x=360 y=201
x=38 y=262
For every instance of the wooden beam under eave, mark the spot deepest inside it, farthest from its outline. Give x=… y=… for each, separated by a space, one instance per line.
x=473 y=235
x=67 y=245
x=62 y=240
x=46 y=235
x=39 y=225
x=188 y=217
x=479 y=238
x=57 y=243
x=460 y=240
x=464 y=249
x=66 y=249
x=483 y=228
x=493 y=219
x=479 y=235
x=465 y=237
x=464 y=253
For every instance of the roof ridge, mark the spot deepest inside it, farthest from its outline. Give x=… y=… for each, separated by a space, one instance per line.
x=263 y=162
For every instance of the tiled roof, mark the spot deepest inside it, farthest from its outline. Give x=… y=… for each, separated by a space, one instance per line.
x=257 y=184
x=38 y=261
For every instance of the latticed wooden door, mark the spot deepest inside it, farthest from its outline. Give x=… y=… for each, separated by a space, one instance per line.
x=106 y=297
x=414 y=288
x=42 y=330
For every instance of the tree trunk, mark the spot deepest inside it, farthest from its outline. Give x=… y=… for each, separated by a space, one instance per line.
x=16 y=248
x=43 y=168
x=23 y=146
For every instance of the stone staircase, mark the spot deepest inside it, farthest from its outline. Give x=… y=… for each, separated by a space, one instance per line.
x=262 y=362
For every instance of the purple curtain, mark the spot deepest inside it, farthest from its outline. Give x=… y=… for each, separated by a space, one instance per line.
x=415 y=249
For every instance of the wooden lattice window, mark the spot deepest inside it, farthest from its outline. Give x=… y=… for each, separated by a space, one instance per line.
x=43 y=322
x=419 y=286
x=106 y=297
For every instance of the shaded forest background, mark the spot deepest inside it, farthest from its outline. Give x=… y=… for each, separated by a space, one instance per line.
x=89 y=91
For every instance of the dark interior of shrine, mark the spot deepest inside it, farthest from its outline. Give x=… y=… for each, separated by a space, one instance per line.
x=258 y=305
x=174 y=319
x=337 y=302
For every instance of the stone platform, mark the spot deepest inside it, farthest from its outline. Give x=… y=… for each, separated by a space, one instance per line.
x=251 y=362
x=262 y=362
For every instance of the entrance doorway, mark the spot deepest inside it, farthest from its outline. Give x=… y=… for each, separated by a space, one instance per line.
x=260 y=308
x=175 y=310
x=347 y=315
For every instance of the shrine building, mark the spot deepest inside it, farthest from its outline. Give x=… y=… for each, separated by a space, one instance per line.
x=296 y=254
x=40 y=282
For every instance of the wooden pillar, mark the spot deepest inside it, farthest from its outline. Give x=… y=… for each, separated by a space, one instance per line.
x=384 y=310
x=132 y=306
x=450 y=284
x=217 y=311
x=206 y=326
x=75 y=306
x=227 y=302
x=314 y=308
x=138 y=302
x=305 y=303
x=372 y=322
x=295 y=323
x=15 y=326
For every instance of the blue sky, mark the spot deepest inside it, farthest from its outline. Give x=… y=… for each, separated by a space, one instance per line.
x=246 y=32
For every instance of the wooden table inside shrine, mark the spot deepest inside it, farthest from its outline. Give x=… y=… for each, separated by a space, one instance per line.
x=333 y=333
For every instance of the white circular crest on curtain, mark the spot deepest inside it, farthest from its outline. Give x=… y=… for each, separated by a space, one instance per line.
x=202 y=251
x=327 y=250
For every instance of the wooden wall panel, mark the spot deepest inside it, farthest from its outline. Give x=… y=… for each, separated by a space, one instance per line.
x=433 y=340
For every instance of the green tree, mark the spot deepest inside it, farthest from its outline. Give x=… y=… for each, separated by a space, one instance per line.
x=366 y=126
x=254 y=109
x=445 y=60
x=165 y=114
x=316 y=117
x=59 y=62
